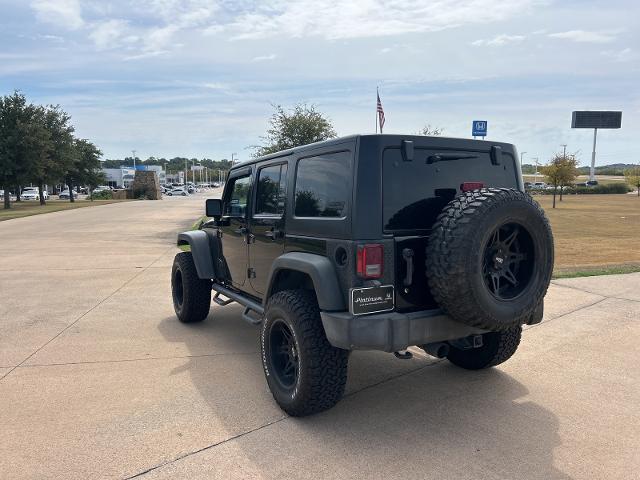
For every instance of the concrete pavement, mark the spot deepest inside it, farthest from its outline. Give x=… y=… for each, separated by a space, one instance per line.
x=99 y=380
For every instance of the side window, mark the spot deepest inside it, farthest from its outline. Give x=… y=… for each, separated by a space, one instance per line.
x=235 y=205
x=270 y=194
x=323 y=185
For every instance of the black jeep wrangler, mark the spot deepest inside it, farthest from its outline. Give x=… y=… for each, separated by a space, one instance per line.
x=374 y=242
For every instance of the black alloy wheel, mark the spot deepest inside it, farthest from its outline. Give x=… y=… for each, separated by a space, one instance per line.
x=508 y=261
x=283 y=358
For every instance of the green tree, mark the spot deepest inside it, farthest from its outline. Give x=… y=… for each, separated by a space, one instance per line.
x=62 y=152
x=300 y=126
x=84 y=167
x=430 y=131
x=41 y=166
x=632 y=176
x=14 y=130
x=560 y=172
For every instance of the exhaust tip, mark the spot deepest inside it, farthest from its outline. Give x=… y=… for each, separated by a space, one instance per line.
x=437 y=349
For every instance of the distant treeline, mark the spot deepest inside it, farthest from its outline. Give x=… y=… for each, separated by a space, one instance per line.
x=613 y=169
x=173 y=164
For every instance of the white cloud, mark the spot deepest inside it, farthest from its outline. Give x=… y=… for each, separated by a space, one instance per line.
x=264 y=58
x=499 y=40
x=585 y=36
x=624 y=55
x=108 y=34
x=63 y=13
x=333 y=19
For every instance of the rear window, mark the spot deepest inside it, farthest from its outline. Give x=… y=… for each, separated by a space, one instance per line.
x=415 y=192
x=323 y=185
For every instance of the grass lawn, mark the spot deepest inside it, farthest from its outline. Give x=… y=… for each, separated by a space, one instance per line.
x=28 y=208
x=595 y=234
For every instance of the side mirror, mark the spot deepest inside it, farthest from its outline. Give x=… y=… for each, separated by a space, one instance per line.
x=213 y=207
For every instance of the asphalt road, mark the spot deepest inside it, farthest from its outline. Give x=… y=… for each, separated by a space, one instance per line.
x=99 y=380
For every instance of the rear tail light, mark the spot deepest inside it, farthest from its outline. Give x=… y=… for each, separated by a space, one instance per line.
x=469 y=186
x=370 y=260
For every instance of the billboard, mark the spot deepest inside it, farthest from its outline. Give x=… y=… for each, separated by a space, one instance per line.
x=596 y=119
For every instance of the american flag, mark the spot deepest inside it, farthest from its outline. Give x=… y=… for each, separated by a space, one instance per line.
x=380 y=111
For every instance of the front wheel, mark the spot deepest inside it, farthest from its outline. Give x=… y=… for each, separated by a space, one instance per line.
x=497 y=347
x=191 y=295
x=305 y=373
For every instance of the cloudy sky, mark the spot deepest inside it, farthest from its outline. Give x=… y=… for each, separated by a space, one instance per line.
x=196 y=77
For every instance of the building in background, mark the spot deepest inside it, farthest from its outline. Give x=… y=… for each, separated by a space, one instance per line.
x=123 y=177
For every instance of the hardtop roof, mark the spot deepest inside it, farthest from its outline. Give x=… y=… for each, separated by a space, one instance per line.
x=386 y=137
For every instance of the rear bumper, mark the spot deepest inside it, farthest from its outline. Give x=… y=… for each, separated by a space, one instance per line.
x=392 y=331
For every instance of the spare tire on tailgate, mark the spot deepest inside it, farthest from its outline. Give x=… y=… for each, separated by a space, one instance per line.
x=490 y=258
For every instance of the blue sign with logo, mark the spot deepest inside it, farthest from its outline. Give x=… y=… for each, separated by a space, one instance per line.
x=479 y=128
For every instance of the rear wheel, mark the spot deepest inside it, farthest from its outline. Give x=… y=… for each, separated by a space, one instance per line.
x=305 y=373
x=191 y=295
x=497 y=347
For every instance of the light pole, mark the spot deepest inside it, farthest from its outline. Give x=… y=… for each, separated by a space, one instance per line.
x=232 y=160
x=134 y=161
x=521 y=155
x=564 y=149
x=535 y=159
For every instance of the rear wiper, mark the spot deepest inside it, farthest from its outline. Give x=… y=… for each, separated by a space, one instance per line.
x=445 y=157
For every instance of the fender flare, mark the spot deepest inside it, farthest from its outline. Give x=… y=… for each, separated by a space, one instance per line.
x=201 y=252
x=322 y=274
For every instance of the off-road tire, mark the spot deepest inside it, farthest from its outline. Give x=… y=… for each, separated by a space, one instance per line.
x=191 y=295
x=456 y=259
x=322 y=368
x=497 y=347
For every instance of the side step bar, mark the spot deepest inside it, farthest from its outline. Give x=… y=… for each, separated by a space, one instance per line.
x=251 y=309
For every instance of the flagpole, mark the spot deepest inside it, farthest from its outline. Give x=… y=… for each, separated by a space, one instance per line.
x=377 y=95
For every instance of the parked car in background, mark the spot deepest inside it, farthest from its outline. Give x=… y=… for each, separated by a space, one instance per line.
x=178 y=191
x=216 y=185
x=64 y=194
x=32 y=193
x=539 y=186
x=12 y=197
x=588 y=183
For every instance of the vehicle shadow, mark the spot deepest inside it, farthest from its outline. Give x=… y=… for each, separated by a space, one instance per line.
x=413 y=419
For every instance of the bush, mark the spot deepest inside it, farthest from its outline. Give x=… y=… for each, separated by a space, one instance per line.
x=102 y=195
x=600 y=189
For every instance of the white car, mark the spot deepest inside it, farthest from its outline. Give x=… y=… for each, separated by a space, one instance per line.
x=539 y=186
x=177 y=192
x=30 y=195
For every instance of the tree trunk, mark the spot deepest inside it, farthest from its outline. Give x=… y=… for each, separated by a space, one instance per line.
x=638 y=186
x=70 y=185
x=7 y=199
x=41 y=192
x=561 y=189
x=18 y=190
x=555 y=189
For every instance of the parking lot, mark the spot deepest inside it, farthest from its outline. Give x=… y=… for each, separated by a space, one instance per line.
x=99 y=380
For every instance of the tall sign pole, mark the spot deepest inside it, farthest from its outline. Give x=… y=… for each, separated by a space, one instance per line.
x=592 y=170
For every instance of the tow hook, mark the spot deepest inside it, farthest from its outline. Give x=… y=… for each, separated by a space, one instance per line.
x=406 y=355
